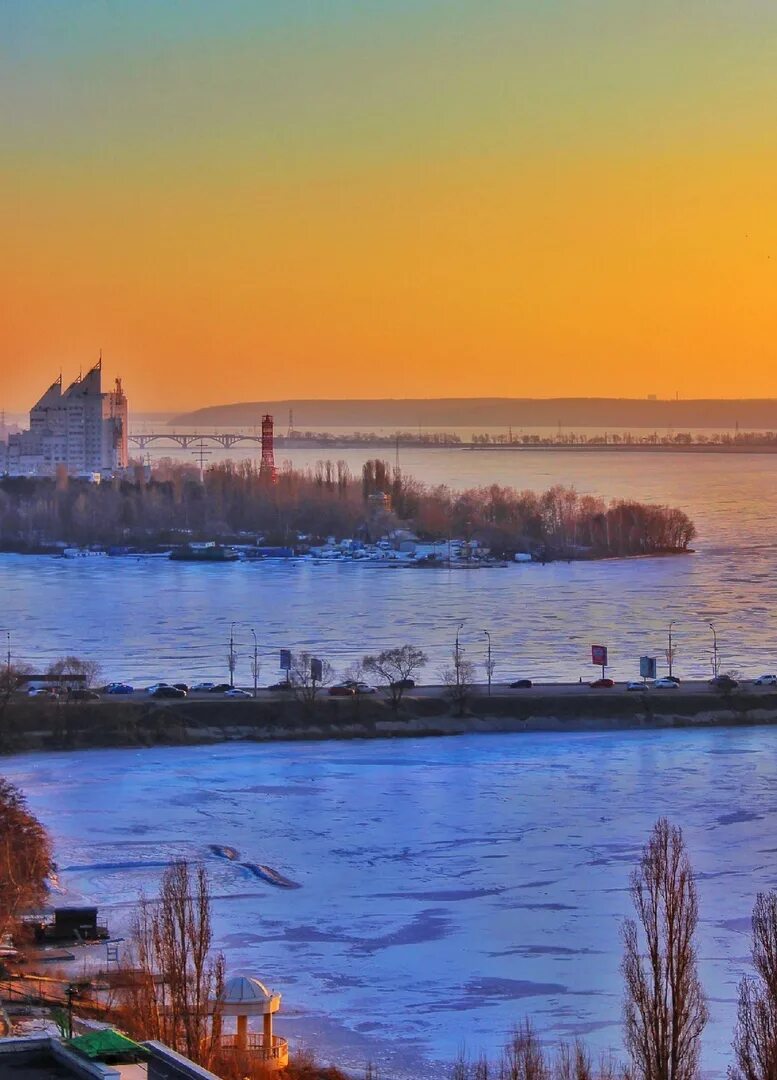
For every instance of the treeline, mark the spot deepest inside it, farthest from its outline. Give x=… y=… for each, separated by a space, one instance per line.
x=234 y=500
x=629 y=438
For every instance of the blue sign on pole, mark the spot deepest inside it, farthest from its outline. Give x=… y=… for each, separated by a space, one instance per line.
x=316 y=670
x=647 y=667
x=285 y=659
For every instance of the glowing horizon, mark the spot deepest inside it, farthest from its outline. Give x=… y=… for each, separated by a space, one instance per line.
x=254 y=202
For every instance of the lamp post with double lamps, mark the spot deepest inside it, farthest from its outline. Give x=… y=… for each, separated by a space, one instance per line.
x=489 y=668
x=714 y=650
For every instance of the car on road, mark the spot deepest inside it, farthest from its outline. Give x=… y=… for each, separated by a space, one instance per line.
x=82 y=694
x=766 y=680
x=156 y=686
x=673 y=678
x=201 y=687
x=168 y=692
x=521 y=684
x=181 y=686
x=43 y=692
x=359 y=687
x=665 y=684
x=723 y=682
x=636 y=684
x=235 y=691
x=220 y=688
x=119 y=688
x=403 y=684
x=341 y=690
x=602 y=684
x=281 y=686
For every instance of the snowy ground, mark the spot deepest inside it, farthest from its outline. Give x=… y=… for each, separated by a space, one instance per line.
x=449 y=887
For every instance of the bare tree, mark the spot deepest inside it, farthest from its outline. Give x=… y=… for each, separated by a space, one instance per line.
x=25 y=857
x=523 y=1058
x=573 y=1062
x=75 y=668
x=458 y=678
x=11 y=678
x=173 y=977
x=396 y=667
x=755 y=1036
x=306 y=682
x=665 y=1010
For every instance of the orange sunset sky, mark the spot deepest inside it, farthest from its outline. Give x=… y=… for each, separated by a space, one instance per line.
x=352 y=198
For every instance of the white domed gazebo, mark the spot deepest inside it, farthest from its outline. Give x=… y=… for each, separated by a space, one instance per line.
x=245 y=998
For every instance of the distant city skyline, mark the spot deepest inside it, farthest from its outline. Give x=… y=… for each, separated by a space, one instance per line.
x=422 y=198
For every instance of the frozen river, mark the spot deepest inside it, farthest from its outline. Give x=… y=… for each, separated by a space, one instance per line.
x=449 y=887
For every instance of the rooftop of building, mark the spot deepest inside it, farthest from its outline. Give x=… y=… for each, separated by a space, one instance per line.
x=47 y=1057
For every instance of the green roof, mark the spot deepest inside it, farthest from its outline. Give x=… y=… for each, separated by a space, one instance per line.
x=107 y=1043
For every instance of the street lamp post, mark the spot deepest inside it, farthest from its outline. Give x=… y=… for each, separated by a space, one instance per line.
x=232 y=655
x=488 y=661
x=256 y=660
x=714 y=650
x=456 y=650
x=7 y=633
x=670 y=650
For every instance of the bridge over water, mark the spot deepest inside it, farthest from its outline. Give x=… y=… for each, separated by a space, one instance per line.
x=191 y=438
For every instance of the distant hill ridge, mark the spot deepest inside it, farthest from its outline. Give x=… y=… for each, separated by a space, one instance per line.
x=477 y=413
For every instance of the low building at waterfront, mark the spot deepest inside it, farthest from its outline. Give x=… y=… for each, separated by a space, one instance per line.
x=80 y=431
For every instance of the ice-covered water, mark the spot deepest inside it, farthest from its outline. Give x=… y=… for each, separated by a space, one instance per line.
x=448 y=887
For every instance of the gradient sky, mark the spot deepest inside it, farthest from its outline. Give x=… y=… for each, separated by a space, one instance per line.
x=247 y=200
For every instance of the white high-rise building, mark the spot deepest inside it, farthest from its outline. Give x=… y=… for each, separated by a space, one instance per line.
x=81 y=429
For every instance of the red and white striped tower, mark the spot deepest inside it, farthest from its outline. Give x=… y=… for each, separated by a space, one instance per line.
x=267 y=467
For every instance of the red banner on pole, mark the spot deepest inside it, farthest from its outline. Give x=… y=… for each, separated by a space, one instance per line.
x=599 y=655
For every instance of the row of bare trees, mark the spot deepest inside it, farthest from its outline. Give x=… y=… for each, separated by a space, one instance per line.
x=324 y=500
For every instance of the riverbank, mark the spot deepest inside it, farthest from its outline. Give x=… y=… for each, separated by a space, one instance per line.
x=31 y=725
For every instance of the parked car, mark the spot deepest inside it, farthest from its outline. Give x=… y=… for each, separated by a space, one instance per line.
x=181 y=686
x=403 y=684
x=168 y=692
x=120 y=688
x=673 y=678
x=220 y=688
x=82 y=694
x=42 y=692
x=203 y=686
x=723 y=682
x=281 y=686
x=766 y=680
x=341 y=691
x=359 y=687
x=602 y=684
x=521 y=684
x=665 y=684
x=235 y=691
x=636 y=684
x=157 y=686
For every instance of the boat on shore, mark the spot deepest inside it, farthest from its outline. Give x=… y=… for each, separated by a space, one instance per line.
x=204 y=552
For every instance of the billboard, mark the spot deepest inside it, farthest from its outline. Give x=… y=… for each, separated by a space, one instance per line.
x=285 y=659
x=599 y=655
x=316 y=670
x=647 y=667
